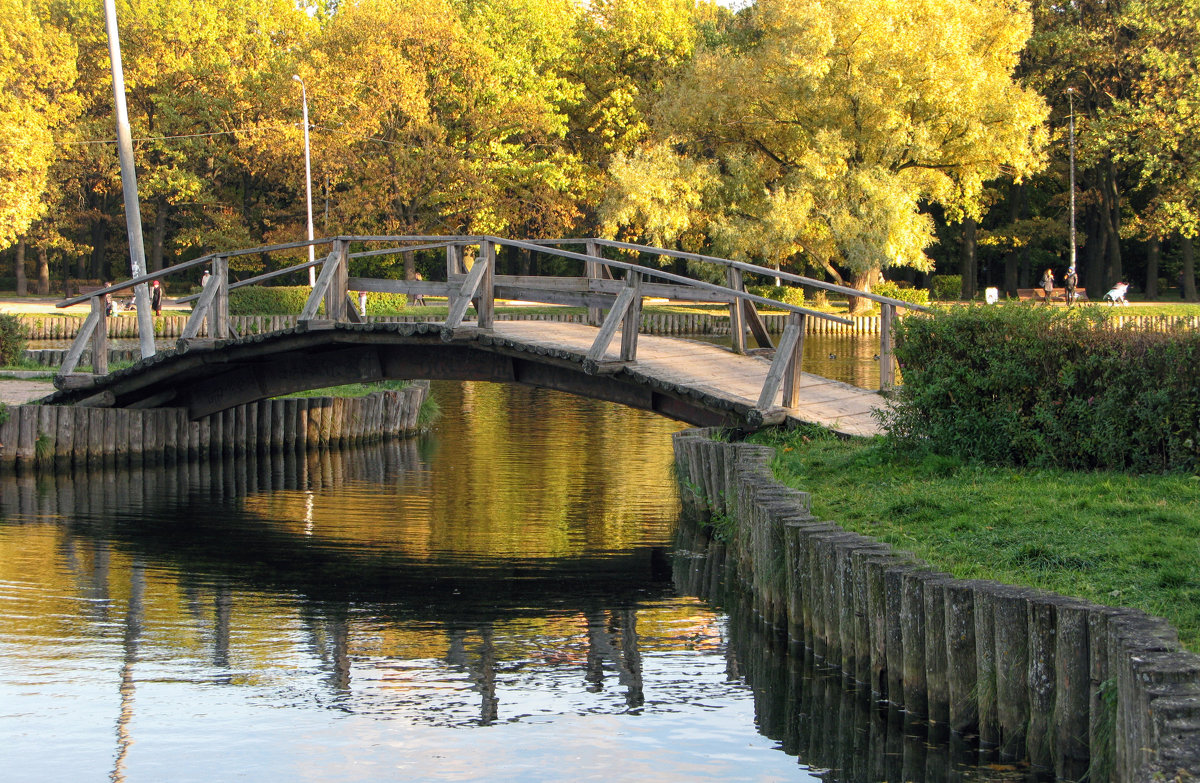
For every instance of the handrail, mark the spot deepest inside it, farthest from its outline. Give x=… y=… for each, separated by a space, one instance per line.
x=675 y=278
x=195 y=262
x=207 y=259
x=479 y=285
x=745 y=267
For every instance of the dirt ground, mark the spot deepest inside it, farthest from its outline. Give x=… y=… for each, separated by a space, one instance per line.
x=34 y=305
x=16 y=391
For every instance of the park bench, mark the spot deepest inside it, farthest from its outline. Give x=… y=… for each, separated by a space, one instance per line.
x=1056 y=295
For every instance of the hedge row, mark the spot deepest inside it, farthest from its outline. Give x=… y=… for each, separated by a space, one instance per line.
x=289 y=300
x=1047 y=387
x=12 y=339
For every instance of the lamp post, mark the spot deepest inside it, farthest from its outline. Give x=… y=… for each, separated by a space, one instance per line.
x=1071 y=101
x=133 y=215
x=312 y=270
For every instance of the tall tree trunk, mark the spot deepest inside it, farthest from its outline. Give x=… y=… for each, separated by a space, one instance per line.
x=159 y=235
x=99 y=248
x=1189 y=269
x=1112 y=226
x=1012 y=260
x=1095 y=253
x=863 y=281
x=968 y=267
x=410 y=266
x=81 y=265
x=43 y=272
x=1153 y=254
x=19 y=267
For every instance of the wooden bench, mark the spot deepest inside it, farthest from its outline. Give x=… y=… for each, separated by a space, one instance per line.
x=1056 y=295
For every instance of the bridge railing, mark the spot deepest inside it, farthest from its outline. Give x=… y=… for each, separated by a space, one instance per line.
x=477 y=283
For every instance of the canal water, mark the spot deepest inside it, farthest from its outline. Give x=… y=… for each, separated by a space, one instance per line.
x=510 y=597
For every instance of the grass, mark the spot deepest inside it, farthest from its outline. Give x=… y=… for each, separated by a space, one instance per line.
x=1115 y=539
x=350 y=390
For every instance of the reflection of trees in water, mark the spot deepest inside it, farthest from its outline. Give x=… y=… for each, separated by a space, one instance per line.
x=812 y=709
x=211 y=562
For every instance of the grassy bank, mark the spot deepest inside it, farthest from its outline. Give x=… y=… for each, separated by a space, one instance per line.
x=1115 y=539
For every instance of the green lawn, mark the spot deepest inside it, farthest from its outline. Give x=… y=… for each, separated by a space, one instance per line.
x=1111 y=538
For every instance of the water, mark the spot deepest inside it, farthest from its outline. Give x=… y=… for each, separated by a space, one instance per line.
x=493 y=602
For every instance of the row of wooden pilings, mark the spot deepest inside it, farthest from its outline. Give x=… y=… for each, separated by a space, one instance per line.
x=171 y=326
x=61 y=437
x=1070 y=686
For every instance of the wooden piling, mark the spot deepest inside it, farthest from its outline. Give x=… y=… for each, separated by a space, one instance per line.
x=1011 y=617
x=1043 y=621
x=961 y=657
x=936 y=665
x=1072 y=690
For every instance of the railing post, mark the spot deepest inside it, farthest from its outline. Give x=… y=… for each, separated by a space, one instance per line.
x=591 y=269
x=218 y=313
x=633 y=317
x=453 y=267
x=81 y=340
x=786 y=366
x=100 y=336
x=335 y=294
x=887 y=367
x=486 y=307
x=791 y=378
x=737 y=319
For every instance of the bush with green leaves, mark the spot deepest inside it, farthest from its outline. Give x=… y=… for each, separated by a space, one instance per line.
x=917 y=296
x=268 y=300
x=12 y=339
x=385 y=304
x=289 y=300
x=945 y=288
x=1047 y=387
x=788 y=294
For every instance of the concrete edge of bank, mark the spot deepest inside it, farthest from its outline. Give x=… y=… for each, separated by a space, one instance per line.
x=51 y=437
x=1067 y=685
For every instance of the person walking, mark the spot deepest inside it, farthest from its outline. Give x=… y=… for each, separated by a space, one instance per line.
x=1071 y=282
x=1048 y=284
x=156 y=298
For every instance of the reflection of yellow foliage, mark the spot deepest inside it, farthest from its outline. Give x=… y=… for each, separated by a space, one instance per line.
x=576 y=477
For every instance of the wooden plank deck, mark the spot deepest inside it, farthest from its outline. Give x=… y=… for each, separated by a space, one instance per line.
x=839 y=406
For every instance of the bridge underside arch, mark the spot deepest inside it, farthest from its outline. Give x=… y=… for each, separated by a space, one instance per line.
x=206 y=376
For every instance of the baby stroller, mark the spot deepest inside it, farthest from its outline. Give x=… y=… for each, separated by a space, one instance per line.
x=1116 y=294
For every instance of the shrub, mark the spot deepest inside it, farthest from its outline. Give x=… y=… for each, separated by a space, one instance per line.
x=1047 y=387
x=945 y=288
x=787 y=294
x=12 y=339
x=917 y=296
x=385 y=304
x=268 y=300
x=289 y=300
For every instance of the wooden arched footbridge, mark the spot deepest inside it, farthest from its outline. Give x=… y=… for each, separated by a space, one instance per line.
x=211 y=369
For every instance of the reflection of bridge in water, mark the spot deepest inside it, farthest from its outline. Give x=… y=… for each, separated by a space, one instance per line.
x=602 y=638
x=698 y=383
x=137 y=512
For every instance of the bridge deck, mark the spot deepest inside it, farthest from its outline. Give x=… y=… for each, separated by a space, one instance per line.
x=716 y=371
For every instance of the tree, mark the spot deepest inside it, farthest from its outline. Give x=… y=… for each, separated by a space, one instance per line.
x=37 y=69
x=827 y=126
